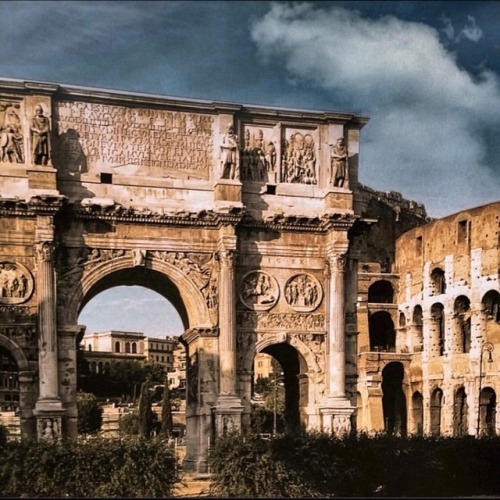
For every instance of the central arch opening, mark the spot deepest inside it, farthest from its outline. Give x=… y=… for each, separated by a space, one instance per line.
x=133 y=320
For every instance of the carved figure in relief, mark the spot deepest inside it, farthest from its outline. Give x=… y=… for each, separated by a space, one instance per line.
x=259 y=291
x=303 y=292
x=40 y=137
x=14 y=284
x=258 y=158
x=11 y=136
x=339 y=167
x=229 y=155
x=299 y=160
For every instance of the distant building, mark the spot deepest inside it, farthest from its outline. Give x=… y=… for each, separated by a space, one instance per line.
x=101 y=349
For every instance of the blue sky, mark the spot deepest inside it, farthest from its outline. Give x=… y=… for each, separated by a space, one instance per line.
x=426 y=73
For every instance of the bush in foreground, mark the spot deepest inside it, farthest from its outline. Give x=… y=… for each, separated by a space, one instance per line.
x=320 y=465
x=97 y=468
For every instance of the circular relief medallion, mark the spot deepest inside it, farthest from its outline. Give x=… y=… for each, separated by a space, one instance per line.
x=16 y=283
x=303 y=293
x=259 y=291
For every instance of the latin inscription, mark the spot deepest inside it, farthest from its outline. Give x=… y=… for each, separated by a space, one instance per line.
x=157 y=141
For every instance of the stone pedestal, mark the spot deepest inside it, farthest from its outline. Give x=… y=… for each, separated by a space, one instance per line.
x=336 y=416
x=227 y=414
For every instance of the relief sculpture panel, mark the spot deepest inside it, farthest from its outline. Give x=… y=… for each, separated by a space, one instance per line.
x=303 y=292
x=11 y=133
x=259 y=155
x=299 y=158
x=16 y=283
x=259 y=291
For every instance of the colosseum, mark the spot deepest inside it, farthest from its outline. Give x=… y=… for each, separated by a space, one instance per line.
x=251 y=221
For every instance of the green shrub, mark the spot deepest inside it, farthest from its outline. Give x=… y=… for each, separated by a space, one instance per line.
x=96 y=468
x=320 y=465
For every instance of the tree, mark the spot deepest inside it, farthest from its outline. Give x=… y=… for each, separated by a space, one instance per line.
x=89 y=413
x=147 y=418
x=166 y=412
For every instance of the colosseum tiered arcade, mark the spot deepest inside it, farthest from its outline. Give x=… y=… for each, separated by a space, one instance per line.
x=252 y=223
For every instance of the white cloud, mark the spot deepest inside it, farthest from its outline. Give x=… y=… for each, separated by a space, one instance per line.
x=425 y=137
x=471 y=31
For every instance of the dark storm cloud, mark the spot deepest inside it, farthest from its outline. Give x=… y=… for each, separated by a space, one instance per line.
x=425 y=72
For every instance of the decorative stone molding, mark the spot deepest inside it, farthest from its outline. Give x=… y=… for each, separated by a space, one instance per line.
x=303 y=292
x=259 y=291
x=16 y=283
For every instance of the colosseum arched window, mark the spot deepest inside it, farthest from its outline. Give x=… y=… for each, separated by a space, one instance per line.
x=491 y=306
x=462 y=324
x=437 y=282
x=381 y=292
x=382 y=333
x=437 y=329
x=460 y=409
x=436 y=406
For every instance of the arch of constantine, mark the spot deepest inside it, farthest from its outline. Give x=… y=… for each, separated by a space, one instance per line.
x=251 y=221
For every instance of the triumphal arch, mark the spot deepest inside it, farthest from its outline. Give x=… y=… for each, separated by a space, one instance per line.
x=238 y=215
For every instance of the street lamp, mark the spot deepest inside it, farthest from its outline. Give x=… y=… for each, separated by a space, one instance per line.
x=275 y=401
x=488 y=347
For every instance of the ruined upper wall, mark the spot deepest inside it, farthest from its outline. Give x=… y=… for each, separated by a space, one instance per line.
x=455 y=244
x=146 y=151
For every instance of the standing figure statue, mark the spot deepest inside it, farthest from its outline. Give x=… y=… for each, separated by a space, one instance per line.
x=229 y=155
x=339 y=168
x=40 y=137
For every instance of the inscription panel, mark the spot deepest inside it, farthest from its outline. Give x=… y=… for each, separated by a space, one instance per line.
x=156 y=142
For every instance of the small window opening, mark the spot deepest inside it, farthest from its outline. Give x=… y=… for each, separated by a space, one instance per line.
x=271 y=189
x=106 y=178
x=418 y=247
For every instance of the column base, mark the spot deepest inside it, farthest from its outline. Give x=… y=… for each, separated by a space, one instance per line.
x=336 y=416
x=227 y=412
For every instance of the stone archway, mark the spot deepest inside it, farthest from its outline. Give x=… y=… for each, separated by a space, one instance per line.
x=168 y=274
x=302 y=360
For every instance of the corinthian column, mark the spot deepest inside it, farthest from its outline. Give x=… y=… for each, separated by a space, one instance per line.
x=48 y=408
x=337 y=327
x=227 y=323
x=228 y=408
x=47 y=346
x=337 y=410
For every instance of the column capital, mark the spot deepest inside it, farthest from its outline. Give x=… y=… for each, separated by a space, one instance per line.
x=226 y=257
x=44 y=251
x=337 y=262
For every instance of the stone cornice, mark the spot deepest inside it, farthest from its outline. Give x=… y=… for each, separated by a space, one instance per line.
x=300 y=223
x=118 y=213
x=37 y=205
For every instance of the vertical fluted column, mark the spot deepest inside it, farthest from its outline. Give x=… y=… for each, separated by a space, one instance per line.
x=47 y=347
x=337 y=327
x=227 y=323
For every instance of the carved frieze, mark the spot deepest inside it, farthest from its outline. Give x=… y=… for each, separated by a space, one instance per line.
x=273 y=321
x=21 y=334
x=259 y=291
x=303 y=292
x=98 y=255
x=16 y=283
